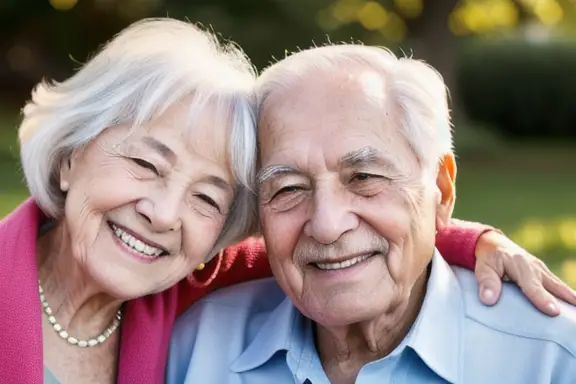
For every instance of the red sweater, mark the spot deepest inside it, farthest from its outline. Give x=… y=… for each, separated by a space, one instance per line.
x=147 y=322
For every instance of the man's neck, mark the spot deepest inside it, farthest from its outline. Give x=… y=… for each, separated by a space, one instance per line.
x=345 y=350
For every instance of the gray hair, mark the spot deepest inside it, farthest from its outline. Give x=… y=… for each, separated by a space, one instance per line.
x=417 y=91
x=141 y=72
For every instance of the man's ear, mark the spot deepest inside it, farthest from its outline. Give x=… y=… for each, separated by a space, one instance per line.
x=446 y=183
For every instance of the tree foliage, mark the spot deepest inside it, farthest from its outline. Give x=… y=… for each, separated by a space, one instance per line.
x=391 y=20
x=49 y=38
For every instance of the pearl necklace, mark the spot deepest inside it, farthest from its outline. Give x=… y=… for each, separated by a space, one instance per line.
x=73 y=340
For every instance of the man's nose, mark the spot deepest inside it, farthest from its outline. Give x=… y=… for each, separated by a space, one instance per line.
x=163 y=211
x=331 y=216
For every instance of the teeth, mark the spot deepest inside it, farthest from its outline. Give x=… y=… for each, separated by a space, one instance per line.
x=343 y=264
x=136 y=244
x=140 y=246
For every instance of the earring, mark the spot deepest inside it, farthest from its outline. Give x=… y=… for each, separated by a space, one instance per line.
x=64 y=186
x=200 y=267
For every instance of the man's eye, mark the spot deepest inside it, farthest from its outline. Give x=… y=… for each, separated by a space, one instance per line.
x=145 y=164
x=288 y=197
x=287 y=190
x=209 y=201
x=361 y=176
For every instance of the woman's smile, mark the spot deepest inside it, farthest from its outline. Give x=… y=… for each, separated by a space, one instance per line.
x=136 y=245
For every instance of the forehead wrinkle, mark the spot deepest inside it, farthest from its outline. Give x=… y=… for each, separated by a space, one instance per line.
x=269 y=128
x=285 y=113
x=308 y=109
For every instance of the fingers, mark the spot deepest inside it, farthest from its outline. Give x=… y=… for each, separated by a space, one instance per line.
x=529 y=272
x=531 y=275
x=489 y=283
x=540 y=298
x=558 y=288
x=499 y=258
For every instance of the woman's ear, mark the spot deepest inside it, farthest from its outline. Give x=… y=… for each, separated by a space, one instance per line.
x=65 y=173
x=446 y=183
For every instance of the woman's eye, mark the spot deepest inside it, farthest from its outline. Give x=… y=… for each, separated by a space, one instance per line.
x=145 y=164
x=209 y=200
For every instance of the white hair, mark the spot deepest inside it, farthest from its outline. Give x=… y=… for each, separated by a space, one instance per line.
x=141 y=72
x=416 y=90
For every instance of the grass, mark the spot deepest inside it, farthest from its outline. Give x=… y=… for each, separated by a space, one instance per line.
x=528 y=191
x=12 y=189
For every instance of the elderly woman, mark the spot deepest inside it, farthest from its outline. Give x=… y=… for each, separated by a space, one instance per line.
x=141 y=170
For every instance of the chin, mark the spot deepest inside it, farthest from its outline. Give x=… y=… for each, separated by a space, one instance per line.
x=124 y=284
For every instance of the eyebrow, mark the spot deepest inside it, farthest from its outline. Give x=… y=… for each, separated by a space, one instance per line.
x=220 y=183
x=272 y=171
x=363 y=157
x=354 y=159
x=160 y=147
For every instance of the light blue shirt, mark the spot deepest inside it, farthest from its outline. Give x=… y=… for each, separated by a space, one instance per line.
x=253 y=334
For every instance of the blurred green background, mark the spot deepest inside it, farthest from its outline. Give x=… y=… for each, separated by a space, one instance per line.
x=510 y=66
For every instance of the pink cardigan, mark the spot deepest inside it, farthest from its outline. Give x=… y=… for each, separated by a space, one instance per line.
x=145 y=330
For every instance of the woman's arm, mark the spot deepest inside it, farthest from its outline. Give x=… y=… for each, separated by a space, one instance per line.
x=242 y=262
x=495 y=258
x=459 y=244
x=247 y=260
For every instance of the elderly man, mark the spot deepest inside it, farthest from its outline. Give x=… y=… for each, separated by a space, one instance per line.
x=357 y=174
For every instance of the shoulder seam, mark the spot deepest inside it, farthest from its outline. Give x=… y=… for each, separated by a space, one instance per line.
x=525 y=335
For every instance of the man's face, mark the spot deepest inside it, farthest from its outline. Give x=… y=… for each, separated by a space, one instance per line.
x=347 y=211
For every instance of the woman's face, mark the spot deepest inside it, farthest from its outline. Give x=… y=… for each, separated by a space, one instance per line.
x=145 y=207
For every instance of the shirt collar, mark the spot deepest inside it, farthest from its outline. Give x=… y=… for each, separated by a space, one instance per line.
x=282 y=331
x=435 y=335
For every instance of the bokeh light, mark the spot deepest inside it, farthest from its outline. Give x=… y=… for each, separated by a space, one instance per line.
x=478 y=17
x=63 y=5
x=372 y=16
x=395 y=29
x=410 y=9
